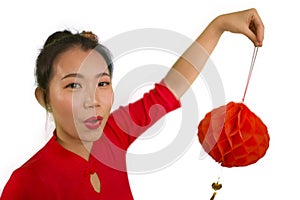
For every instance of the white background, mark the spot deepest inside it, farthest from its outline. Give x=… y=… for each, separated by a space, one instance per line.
x=272 y=93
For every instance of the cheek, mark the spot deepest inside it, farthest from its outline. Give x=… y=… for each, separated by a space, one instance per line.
x=61 y=104
x=111 y=98
x=107 y=99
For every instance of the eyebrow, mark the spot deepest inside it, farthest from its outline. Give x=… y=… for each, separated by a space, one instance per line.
x=77 y=75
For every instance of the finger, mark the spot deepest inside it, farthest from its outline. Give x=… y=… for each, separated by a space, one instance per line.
x=260 y=33
x=257 y=27
x=252 y=36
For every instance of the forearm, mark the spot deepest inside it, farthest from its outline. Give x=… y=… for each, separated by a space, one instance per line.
x=189 y=65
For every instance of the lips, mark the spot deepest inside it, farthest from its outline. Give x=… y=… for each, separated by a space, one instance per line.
x=93 y=122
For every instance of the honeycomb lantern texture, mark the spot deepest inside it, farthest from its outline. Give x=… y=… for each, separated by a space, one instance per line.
x=233 y=135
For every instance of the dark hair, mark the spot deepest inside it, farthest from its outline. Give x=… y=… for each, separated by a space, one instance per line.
x=59 y=42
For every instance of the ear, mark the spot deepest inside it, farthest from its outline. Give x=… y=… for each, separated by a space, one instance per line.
x=40 y=97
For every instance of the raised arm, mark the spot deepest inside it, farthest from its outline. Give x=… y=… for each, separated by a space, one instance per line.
x=189 y=65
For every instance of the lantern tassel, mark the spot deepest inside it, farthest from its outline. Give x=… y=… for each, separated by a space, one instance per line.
x=213 y=196
x=215 y=186
x=251 y=69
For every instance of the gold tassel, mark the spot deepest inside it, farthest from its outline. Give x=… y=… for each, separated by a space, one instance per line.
x=213 y=196
x=215 y=186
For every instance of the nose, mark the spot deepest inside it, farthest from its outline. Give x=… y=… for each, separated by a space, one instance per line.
x=91 y=100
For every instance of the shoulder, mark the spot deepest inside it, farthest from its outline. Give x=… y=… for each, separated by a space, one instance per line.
x=33 y=165
x=25 y=180
x=40 y=158
x=22 y=185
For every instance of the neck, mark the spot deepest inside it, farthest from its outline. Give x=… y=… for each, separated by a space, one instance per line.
x=76 y=146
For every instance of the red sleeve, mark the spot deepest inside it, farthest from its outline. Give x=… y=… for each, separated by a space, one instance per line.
x=127 y=123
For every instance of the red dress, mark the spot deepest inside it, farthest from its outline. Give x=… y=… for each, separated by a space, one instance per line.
x=56 y=173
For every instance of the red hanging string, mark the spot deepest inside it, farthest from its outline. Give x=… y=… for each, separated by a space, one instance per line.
x=251 y=69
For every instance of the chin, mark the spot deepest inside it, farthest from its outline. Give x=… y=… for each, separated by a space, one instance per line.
x=90 y=136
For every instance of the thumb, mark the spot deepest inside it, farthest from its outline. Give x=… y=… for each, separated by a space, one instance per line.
x=253 y=36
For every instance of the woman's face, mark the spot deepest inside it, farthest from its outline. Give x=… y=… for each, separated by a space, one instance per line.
x=80 y=95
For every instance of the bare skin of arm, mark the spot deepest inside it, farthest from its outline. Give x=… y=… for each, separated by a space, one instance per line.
x=187 y=68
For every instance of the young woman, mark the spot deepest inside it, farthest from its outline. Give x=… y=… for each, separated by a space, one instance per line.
x=86 y=157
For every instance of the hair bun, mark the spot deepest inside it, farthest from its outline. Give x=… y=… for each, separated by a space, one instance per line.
x=90 y=35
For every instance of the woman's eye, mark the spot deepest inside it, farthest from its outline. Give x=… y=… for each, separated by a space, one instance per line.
x=73 y=86
x=102 y=84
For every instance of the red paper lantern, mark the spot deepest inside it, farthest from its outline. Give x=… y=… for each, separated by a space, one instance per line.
x=233 y=135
